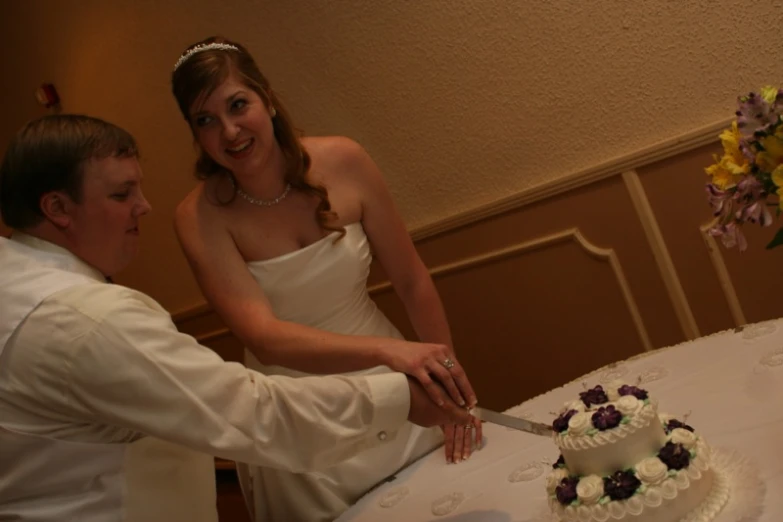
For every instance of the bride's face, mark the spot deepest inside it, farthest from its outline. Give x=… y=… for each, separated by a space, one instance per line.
x=234 y=127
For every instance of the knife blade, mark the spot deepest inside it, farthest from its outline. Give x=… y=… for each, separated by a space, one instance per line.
x=536 y=428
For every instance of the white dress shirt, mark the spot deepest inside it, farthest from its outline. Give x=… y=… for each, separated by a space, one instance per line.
x=98 y=378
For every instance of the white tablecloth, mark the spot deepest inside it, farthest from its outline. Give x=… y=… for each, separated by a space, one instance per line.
x=730 y=383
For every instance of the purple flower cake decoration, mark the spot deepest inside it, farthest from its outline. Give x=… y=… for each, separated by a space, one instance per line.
x=595 y=396
x=621 y=485
x=632 y=390
x=606 y=418
x=566 y=490
x=561 y=423
x=675 y=456
x=559 y=463
x=674 y=423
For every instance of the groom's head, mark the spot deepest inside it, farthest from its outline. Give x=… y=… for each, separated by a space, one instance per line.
x=76 y=181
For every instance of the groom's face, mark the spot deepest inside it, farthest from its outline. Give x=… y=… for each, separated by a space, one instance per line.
x=103 y=228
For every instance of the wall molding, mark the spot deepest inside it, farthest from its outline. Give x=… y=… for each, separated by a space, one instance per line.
x=525 y=247
x=671 y=280
x=726 y=284
x=656 y=152
x=571 y=234
x=214 y=335
x=192 y=312
x=651 y=154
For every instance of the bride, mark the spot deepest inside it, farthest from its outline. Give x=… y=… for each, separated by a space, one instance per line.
x=279 y=235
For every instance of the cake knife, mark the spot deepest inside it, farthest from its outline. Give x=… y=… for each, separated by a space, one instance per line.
x=536 y=428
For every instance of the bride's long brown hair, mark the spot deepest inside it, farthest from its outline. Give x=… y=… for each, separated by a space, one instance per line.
x=198 y=76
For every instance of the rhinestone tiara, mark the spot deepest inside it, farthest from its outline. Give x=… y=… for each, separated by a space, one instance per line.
x=204 y=47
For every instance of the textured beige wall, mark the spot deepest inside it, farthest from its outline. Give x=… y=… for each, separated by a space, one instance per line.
x=461 y=102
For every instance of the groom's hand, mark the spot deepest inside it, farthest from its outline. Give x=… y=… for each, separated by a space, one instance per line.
x=425 y=412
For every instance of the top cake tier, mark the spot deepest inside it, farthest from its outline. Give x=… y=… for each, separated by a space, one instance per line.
x=607 y=430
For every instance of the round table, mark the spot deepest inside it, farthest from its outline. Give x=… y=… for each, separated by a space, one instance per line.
x=730 y=386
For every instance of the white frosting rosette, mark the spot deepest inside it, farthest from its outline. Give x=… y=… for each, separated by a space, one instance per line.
x=554 y=479
x=611 y=390
x=628 y=405
x=652 y=471
x=580 y=423
x=579 y=406
x=590 y=489
x=686 y=438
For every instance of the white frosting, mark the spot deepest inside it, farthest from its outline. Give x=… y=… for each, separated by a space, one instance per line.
x=580 y=423
x=684 y=437
x=652 y=471
x=611 y=390
x=590 y=489
x=554 y=478
x=574 y=405
x=628 y=405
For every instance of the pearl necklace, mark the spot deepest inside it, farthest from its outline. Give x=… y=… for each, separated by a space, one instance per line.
x=260 y=202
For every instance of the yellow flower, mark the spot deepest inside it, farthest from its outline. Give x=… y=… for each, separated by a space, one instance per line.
x=730 y=138
x=771 y=157
x=728 y=169
x=769 y=93
x=777 y=177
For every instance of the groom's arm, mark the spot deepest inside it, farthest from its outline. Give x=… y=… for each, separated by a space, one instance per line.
x=112 y=356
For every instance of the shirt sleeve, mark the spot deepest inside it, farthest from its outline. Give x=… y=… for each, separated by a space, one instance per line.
x=132 y=368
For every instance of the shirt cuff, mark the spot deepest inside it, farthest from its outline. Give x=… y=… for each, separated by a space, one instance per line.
x=391 y=400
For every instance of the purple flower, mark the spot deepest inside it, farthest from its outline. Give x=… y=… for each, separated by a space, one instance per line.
x=746 y=202
x=566 y=490
x=756 y=212
x=675 y=456
x=621 y=485
x=606 y=418
x=730 y=235
x=561 y=423
x=718 y=199
x=674 y=423
x=560 y=463
x=594 y=396
x=632 y=390
x=755 y=115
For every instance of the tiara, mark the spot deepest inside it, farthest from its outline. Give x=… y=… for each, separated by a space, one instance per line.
x=203 y=47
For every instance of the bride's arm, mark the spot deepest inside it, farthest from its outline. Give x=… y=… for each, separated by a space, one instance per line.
x=410 y=278
x=393 y=247
x=236 y=297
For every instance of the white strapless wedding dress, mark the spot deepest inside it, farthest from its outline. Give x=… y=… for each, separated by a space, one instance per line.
x=324 y=285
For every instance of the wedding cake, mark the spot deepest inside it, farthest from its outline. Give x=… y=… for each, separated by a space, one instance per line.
x=620 y=459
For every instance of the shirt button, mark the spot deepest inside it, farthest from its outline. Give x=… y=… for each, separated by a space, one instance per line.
x=382 y=435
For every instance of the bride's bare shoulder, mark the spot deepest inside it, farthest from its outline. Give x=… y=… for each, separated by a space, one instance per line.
x=335 y=156
x=332 y=148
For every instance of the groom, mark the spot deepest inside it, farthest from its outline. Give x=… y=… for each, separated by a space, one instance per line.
x=107 y=412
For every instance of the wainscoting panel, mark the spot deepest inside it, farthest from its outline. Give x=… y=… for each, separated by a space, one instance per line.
x=542 y=294
x=518 y=335
x=724 y=287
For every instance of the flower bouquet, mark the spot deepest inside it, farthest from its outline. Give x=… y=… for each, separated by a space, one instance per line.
x=750 y=172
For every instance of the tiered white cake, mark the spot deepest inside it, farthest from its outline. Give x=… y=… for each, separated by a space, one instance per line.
x=622 y=460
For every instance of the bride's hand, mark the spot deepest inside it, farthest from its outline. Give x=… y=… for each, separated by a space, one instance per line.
x=432 y=365
x=460 y=440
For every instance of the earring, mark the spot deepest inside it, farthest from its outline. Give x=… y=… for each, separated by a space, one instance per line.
x=273 y=112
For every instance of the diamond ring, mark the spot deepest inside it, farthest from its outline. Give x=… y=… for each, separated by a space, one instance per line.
x=448 y=363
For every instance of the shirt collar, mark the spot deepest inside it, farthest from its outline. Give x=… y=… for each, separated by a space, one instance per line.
x=56 y=255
